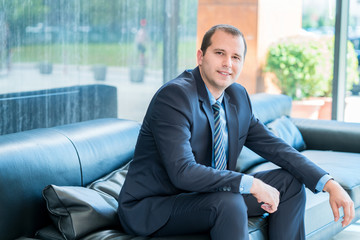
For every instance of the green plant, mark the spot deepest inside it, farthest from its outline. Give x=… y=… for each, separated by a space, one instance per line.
x=303 y=65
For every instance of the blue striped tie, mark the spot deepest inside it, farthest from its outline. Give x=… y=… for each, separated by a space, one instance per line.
x=220 y=158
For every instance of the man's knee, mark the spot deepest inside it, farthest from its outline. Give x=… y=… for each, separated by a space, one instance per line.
x=231 y=217
x=231 y=205
x=294 y=188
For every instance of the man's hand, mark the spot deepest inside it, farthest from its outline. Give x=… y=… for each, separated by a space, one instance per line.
x=340 y=198
x=265 y=194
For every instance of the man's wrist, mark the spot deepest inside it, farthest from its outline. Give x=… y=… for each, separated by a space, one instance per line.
x=246 y=184
x=321 y=183
x=330 y=185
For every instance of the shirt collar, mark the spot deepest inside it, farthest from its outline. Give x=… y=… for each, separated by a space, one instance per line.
x=212 y=98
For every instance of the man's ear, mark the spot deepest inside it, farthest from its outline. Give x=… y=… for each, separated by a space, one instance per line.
x=199 y=56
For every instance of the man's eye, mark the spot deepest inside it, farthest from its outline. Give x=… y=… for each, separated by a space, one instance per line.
x=219 y=53
x=237 y=58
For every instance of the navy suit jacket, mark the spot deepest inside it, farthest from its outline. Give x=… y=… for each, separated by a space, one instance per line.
x=173 y=153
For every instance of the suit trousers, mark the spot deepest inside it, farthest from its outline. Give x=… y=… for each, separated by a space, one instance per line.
x=225 y=214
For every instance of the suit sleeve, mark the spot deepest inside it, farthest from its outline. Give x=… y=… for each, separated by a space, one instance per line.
x=274 y=149
x=171 y=125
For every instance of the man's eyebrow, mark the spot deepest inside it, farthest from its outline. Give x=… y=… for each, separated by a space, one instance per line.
x=219 y=49
x=223 y=50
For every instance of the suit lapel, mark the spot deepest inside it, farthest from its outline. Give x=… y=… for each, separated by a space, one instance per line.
x=233 y=131
x=231 y=118
x=204 y=103
x=204 y=98
x=209 y=114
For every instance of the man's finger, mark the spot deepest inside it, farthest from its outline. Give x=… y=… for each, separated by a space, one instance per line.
x=268 y=208
x=346 y=218
x=348 y=214
x=335 y=211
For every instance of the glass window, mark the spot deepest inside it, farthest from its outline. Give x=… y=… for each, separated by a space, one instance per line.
x=48 y=44
x=303 y=64
x=352 y=100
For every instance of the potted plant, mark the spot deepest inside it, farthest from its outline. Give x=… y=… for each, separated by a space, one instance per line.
x=99 y=72
x=303 y=66
x=45 y=67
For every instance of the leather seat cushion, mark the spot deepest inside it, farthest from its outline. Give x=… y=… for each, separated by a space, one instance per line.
x=257 y=230
x=109 y=186
x=343 y=167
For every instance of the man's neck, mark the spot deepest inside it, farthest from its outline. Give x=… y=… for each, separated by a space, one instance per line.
x=215 y=92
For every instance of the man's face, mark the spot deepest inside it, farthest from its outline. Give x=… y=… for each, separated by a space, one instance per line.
x=222 y=63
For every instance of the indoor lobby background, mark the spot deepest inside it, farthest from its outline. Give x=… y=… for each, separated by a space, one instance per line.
x=303 y=48
x=137 y=45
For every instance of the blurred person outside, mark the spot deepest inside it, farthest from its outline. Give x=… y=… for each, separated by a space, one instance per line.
x=140 y=40
x=137 y=70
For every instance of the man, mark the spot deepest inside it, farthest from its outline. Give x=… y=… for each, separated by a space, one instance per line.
x=182 y=178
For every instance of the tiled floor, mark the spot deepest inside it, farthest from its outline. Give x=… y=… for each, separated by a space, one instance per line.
x=350 y=233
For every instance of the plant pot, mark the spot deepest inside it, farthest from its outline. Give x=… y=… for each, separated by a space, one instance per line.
x=45 y=68
x=99 y=72
x=325 y=110
x=307 y=108
x=355 y=89
x=137 y=74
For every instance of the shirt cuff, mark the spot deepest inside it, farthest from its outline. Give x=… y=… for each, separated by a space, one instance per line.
x=245 y=184
x=321 y=183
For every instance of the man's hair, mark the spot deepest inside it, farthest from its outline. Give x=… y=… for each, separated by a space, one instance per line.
x=206 y=42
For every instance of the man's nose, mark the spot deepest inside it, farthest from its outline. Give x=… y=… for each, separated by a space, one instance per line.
x=227 y=62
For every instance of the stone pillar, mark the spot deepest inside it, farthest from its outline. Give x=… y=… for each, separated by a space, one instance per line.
x=261 y=21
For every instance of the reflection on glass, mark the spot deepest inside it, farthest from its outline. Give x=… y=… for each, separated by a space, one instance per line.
x=352 y=100
x=303 y=64
x=47 y=44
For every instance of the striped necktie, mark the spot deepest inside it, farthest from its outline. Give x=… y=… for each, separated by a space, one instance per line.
x=220 y=158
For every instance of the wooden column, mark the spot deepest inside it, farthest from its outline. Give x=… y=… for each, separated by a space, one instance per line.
x=261 y=21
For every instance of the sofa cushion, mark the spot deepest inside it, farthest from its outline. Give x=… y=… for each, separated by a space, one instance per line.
x=343 y=167
x=284 y=128
x=317 y=212
x=77 y=211
x=257 y=230
x=82 y=203
x=268 y=107
x=247 y=159
x=112 y=183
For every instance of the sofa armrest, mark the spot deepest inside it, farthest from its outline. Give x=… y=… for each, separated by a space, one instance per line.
x=329 y=134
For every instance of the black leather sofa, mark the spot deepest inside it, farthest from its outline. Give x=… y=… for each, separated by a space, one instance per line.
x=62 y=182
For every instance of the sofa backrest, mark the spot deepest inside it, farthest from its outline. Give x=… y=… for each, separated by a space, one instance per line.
x=268 y=107
x=102 y=145
x=57 y=106
x=70 y=155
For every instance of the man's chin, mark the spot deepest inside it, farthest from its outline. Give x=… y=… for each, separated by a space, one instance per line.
x=226 y=83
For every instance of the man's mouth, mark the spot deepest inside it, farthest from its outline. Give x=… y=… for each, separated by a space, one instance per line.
x=224 y=73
